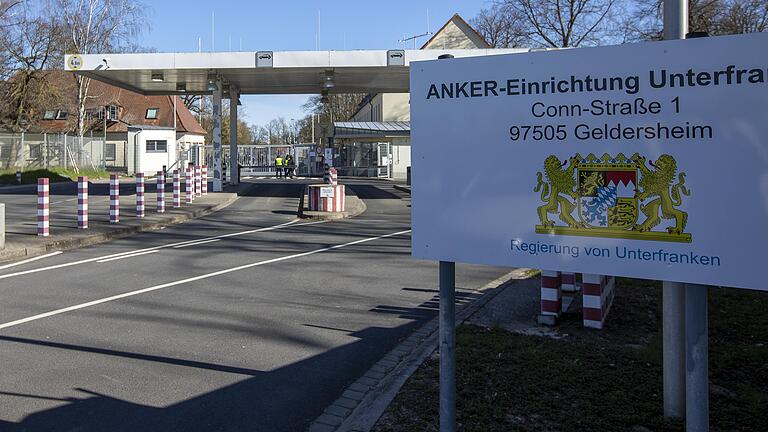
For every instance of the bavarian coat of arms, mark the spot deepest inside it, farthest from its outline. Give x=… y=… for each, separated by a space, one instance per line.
x=615 y=197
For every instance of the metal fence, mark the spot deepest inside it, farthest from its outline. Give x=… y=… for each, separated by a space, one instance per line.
x=30 y=151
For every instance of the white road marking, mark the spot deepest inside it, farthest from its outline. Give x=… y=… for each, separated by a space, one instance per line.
x=85 y=261
x=29 y=260
x=193 y=279
x=197 y=243
x=128 y=256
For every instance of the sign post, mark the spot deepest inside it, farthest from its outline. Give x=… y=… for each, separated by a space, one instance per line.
x=673 y=293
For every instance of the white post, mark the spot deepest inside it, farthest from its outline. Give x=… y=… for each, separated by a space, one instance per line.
x=217 y=174
x=234 y=174
x=673 y=308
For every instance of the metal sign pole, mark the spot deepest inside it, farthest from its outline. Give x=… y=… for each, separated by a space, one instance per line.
x=447 y=346
x=696 y=359
x=673 y=301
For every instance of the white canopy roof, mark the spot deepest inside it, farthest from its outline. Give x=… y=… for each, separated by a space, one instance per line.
x=262 y=72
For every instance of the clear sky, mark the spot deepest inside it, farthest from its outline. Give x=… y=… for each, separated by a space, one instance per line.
x=178 y=25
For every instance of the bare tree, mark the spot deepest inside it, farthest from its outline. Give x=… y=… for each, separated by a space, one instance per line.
x=29 y=45
x=98 y=26
x=716 y=17
x=499 y=28
x=557 y=23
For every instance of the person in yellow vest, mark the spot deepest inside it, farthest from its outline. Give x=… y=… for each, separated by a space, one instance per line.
x=279 y=166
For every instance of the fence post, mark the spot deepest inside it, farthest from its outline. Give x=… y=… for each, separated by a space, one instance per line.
x=114 y=199
x=176 y=189
x=82 y=202
x=161 y=192
x=140 y=195
x=43 y=211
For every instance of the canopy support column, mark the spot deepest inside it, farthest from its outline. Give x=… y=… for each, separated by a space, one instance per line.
x=217 y=173
x=234 y=169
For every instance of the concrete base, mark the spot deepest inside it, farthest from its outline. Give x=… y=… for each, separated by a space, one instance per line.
x=547 y=320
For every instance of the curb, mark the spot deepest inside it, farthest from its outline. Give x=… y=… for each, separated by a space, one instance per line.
x=24 y=252
x=356 y=204
x=406 y=189
x=364 y=401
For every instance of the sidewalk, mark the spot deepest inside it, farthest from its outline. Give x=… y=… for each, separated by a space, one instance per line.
x=21 y=215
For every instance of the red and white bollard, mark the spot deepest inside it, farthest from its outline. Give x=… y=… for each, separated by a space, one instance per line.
x=334 y=176
x=140 y=195
x=82 y=202
x=43 y=209
x=198 y=182
x=114 y=199
x=598 y=293
x=160 y=192
x=189 y=186
x=205 y=180
x=551 y=300
x=176 y=189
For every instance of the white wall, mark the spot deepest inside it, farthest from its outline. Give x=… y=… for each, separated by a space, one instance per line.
x=401 y=157
x=396 y=106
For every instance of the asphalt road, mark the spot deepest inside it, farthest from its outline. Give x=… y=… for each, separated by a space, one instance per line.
x=242 y=320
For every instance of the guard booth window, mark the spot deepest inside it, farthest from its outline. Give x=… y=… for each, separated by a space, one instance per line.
x=157 y=146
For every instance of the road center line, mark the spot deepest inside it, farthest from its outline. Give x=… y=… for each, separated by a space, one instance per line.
x=197 y=243
x=29 y=260
x=128 y=256
x=85 y=261
x=193 y=279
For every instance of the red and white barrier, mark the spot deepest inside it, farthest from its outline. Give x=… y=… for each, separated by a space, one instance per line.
x=551 y=300
x=160 y=192
x=43 y=207
x=327 y=198
x=82 y=202
x=114 y=199
x=205 y=180
x=140 y=195
x=189 y=186
x=198 y=182
x=176 y=189
x=598 y=297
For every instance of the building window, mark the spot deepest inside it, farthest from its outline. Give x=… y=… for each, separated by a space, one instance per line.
x=157 y=146
x=5 y=152
x=152 y=113
x=61 y=115
x=49 y=115
x=35 y=151
x=110 y=151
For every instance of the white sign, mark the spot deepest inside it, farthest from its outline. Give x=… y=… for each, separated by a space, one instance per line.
x=646 y=160
x=329 y=156
x=326 y=192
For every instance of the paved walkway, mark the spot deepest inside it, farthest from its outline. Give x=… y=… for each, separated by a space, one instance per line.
x=21 y=215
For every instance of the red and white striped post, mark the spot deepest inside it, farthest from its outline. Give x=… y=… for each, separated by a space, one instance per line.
x=176 y=189
x=597 y=298
x=205 y=180
x=189 y=186
x=114 y=199
x=43 y=210
x=160 y=192
x=551 y=300
x=334 y=176
x=198 y=182
x=140 y=195
x=82 y=202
